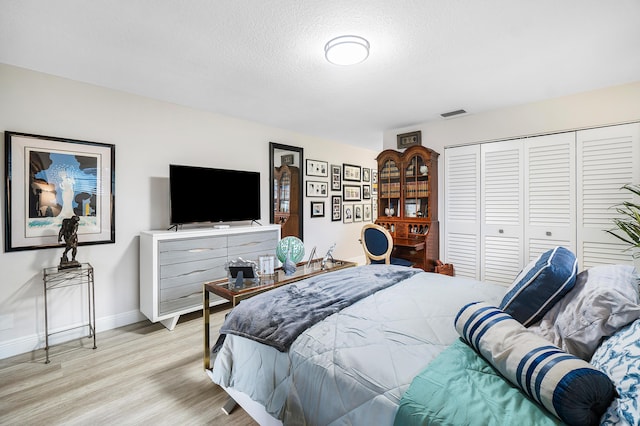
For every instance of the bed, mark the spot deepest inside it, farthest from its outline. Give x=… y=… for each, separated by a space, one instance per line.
x=377 y=336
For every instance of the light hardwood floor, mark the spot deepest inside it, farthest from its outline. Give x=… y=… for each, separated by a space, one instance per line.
x=139 y=374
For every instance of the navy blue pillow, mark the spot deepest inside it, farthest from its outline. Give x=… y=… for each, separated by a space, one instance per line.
x=540 y=285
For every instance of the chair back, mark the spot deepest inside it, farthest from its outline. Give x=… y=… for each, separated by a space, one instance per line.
x=377 y=243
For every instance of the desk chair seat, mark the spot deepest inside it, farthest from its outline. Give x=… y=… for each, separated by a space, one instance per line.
x=377 y=244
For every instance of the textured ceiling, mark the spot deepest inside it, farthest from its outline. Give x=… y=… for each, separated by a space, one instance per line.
x=264 y=60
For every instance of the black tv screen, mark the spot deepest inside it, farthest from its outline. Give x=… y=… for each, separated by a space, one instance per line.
x=202 y=194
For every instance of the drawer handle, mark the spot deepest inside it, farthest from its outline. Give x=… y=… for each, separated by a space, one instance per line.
x=197 y=250
x=548 y=233
x=500 y=231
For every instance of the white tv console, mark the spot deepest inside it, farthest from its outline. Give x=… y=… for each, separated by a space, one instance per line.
x=175 y=264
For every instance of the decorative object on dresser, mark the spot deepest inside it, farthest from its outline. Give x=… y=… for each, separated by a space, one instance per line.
x=174 y=265
x=408 y=203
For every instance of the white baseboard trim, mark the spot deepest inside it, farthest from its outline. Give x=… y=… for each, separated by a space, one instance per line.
x=26 y=344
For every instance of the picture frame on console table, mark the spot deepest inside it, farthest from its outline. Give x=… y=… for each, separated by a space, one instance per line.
x=48 y=179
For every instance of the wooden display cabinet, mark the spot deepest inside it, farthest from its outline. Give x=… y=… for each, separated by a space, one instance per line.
x=408 y=203
x=286 y=202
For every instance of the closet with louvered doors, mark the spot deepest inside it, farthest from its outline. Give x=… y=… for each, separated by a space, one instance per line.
x=536 y=193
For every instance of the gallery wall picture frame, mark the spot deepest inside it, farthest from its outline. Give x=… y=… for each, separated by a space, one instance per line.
x=317 y=168
x=405 y=140
x=374 y=182
x=317 y=209
x=351 y=172
x=347 y=213
x=357 y=212
x=336 y=208
x=366 y=174
x=317 y=188
x=367 y=212
x=48 y=179
x=336 y=177
x=366 y=192
x=351 y=192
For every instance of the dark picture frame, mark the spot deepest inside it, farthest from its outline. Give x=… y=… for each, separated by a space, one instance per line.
x=316 y=188
x=48 y=179
x=366 y=192
x=336 y=208
x=351 y=172
x=336 y=177
x=351 y=192
x=317 y=209
x=366 y=174
x=316 y=168
x=405 y=140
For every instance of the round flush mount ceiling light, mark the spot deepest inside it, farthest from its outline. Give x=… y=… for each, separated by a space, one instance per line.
x=346 y=50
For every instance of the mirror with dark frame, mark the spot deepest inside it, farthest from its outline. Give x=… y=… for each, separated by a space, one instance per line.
x=285 y=189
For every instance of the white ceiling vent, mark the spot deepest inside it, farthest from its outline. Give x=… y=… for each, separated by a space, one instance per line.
x=451 y=114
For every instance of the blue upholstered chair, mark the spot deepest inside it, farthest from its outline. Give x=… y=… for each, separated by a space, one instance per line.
x=378 y=244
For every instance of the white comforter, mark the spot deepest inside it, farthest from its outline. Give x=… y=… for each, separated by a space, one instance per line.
x=353 y=367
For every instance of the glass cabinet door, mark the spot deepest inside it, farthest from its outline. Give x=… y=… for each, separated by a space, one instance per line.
x=284 y=192
x=416 y=188
x=389 y=190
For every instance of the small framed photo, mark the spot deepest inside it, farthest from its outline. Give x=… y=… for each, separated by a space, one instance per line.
x=351 y=192
x=347 y=213
x=366 y=174
x=366 y=192
x=406 y=140
x=374 y=209
x=357 y=213
x=317 y=188
x=336 y=178
x=317 y=168
x=374 y=182
x=351 y=173
x=336 y=208
x=366 y=212
x=317 y=209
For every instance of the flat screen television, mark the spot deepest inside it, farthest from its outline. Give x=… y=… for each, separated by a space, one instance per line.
x=202 y=194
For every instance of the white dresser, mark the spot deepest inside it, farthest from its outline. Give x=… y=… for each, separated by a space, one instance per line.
x=175 y=264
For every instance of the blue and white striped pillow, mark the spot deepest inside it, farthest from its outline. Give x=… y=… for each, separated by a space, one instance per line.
x=569 y=387
x=540 y=285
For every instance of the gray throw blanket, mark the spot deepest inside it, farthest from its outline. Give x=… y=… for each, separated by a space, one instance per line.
x=277 y=317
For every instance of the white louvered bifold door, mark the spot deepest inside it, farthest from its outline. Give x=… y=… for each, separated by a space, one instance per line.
x=462 y=210
x=501 y=211
x=607 y=159
x=549 y=194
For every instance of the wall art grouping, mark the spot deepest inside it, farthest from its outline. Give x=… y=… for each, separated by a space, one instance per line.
x=49 y=179
x=355 y=183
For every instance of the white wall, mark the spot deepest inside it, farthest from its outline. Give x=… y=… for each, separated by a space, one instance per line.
x=148 y=135
x=613 y=105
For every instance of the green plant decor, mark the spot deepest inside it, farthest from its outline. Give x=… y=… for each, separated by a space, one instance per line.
x=628 y=225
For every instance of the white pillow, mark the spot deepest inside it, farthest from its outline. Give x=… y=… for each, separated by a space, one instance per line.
x=603 y=300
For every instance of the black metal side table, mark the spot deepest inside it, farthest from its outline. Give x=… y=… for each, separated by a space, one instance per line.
x=56 y=278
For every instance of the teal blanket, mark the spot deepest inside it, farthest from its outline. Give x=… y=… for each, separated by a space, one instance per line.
x=460 y=388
